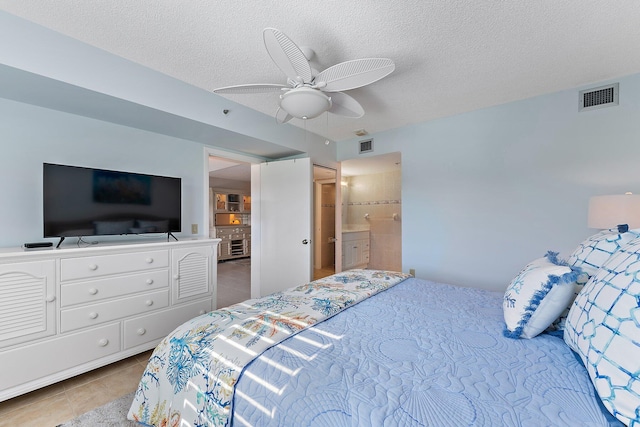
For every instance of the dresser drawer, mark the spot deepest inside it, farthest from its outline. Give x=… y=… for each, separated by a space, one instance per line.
x=94 y=314
x=155 y=326
x=109 y=287
x=101 y=265
x=30 y=362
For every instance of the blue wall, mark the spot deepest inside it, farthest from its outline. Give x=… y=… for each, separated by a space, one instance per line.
x=34 y=135
x=485 y=192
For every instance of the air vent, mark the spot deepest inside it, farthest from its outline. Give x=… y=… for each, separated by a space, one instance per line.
x=599 y=97
x=366 y=146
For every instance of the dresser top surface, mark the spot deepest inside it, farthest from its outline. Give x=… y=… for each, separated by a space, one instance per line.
x=71 y=250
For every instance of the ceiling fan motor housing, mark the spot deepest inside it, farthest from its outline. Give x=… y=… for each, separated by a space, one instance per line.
x=305 y=102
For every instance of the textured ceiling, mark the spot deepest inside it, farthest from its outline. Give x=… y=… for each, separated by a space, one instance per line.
x=451 y=56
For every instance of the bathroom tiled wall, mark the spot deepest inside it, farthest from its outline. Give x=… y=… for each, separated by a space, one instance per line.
x=372 y=201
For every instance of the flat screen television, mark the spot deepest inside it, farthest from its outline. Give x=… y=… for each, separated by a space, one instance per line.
x=82 y=201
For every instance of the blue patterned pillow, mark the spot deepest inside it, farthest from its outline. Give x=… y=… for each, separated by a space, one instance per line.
x=537 y=296
x=603 y=327
x=591 y=254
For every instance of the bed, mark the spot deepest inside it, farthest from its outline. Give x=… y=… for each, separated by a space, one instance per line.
x=385 y=349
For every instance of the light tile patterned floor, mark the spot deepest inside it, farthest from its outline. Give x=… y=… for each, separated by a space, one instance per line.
x=63 y=401
x=234 y=281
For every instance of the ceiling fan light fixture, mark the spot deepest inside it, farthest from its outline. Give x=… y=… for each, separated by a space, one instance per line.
x=305 y=103
x=304 y=96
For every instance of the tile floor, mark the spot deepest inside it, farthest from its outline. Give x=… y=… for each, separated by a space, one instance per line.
x=234 y=281
x=63 y=401
x=319 y=273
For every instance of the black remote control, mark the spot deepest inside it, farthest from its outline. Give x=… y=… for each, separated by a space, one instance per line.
x=38 y=245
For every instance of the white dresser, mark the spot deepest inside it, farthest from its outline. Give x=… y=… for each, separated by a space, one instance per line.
x=67 y=311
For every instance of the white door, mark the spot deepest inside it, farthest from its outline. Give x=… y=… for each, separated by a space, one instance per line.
x=285 y=229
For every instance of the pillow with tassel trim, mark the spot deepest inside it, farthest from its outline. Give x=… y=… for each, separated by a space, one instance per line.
x=538 y=295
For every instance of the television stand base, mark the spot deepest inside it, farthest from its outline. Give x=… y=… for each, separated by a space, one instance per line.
x=170 y=234
x=61 y=240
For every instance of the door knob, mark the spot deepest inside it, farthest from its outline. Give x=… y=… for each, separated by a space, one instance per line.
x=305 y=242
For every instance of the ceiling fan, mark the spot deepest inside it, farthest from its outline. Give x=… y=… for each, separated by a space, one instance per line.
x=309 y=93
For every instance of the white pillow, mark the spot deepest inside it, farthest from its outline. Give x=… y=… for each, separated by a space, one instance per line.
x=537 y=296
x=603 y=327
x=591 y=254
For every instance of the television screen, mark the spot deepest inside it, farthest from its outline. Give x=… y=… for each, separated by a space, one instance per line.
x=91 y=202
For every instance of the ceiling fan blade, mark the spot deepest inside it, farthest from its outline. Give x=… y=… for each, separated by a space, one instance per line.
x=252 y=88
x=282 y=116
x=345 y=105
x=352 y=74
x=287 y=55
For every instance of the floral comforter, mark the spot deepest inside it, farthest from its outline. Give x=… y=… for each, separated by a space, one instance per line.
x=191 y=375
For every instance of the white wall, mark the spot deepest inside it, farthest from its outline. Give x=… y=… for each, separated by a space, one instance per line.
x=485 y=192
x=230 y=184
x=32 y=135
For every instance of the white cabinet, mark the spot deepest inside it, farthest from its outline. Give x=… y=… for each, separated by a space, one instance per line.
x=104 y=265
x=94 y=314
x=355 y=249
x=231 y=201
x=192 y=272
x=66 y=311
x=27 y=301
x=235 y=242
x=39 y=363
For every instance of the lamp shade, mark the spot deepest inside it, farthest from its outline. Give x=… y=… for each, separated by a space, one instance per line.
x=610 y=211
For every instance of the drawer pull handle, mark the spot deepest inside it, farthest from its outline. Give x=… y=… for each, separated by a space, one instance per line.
x=93 y=315
x=149 y=281
x=203 y=311
x=103 y=342
x=177 y=276
x=149 y=260
x=93 y=291
x=51 y=298
x=141 y=331
x=93 y=267
x=149 y=302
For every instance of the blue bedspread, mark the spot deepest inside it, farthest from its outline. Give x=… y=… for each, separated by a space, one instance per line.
x=418 y=354
x=191 y=376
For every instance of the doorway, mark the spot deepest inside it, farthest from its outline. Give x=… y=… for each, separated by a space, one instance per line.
x=230 y=220
x=372 y=208
x=324 y=213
